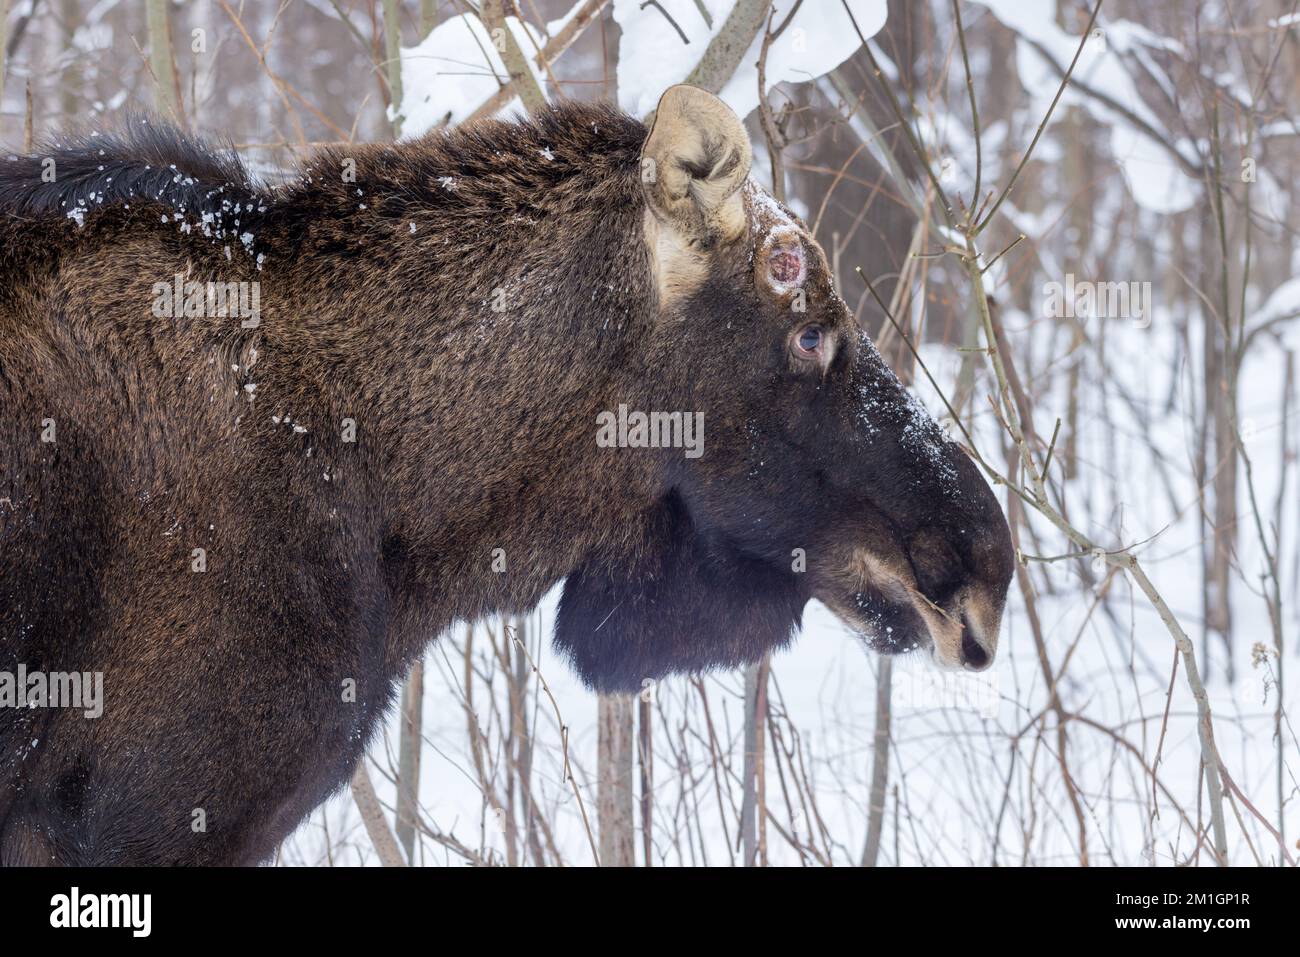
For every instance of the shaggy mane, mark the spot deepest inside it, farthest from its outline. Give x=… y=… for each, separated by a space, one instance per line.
x=147 y=160
x=144 y=160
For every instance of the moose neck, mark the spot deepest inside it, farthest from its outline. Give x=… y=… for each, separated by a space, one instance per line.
x=473 y=301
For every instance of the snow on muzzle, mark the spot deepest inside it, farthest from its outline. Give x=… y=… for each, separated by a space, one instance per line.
x=926 y=557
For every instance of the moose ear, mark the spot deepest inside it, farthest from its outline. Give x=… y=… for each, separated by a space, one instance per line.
x=693 y=163
x=681 y=604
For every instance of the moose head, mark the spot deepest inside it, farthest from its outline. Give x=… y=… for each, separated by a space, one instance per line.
x=820 y=475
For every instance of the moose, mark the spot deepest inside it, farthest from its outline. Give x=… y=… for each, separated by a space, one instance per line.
x=251 y=522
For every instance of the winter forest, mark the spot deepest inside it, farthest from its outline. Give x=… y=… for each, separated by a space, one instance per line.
x=1068 y=225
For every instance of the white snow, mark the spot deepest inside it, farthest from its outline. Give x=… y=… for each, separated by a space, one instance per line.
x=454 y=70
x=653 y=57
x=1155 y=179
x=1282 y=303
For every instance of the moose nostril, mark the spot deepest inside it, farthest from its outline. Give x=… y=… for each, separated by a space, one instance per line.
x=973 y=655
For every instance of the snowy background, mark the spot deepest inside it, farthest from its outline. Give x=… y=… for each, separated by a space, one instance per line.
x=1168 y=163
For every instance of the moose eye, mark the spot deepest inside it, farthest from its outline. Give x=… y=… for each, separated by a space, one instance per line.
x=810 y=339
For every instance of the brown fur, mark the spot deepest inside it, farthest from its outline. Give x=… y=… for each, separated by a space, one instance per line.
x=331 y=561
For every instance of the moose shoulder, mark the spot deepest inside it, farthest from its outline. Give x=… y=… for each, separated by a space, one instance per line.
x=258 y=447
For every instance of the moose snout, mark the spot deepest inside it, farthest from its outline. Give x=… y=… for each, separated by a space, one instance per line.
x=976 y=649
x=962 y=637
x=959 y=629
x=981 y=620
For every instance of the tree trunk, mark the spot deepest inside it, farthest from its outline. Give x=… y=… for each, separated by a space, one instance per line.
x=752 y=826
x=4 y=43
x=393 y=61
x=879 y=763
x=163 y=61
x=428 y=17
x=614 y=792
x=372 y=816
x=521 y=77
x=645 y=751
x=408 y=759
